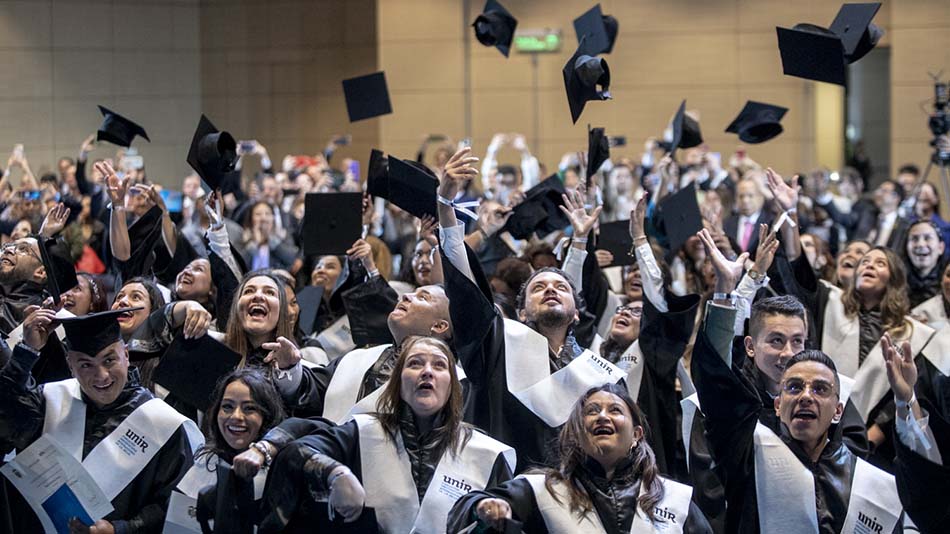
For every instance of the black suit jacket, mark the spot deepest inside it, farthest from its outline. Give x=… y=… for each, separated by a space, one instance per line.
x=731 y=227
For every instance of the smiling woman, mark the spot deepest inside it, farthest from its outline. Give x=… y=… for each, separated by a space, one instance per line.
x=258 y=316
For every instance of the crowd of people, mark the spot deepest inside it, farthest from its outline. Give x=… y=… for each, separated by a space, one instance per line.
x=781 y=368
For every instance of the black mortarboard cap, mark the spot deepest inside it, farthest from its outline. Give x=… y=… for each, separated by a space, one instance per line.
x=813 y=55
x=308 y=299
x=332 y=222
x=539 y=212
x=367 y=96
x=681 y=216
x=191 y=368
x=686 y=133
x=582 y=74
x=615 y=238
x=91 y=333
x=412 y=187
x=377 y=176
x=757 y=122
x=60 y=271
x=118 y=130
x=853 y=26
x=599 y=29
x=598 y=150
x=495 y=27
x=212 y=154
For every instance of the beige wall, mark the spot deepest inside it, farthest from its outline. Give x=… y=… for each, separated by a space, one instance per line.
x=715 y=53
x=272 y=71
x=59 y=59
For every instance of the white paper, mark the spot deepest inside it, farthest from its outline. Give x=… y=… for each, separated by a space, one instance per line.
x=181 y=517
x=56 y=486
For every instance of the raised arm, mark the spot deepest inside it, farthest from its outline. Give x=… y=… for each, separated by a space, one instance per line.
x=118 y=226
x=581 y=223
x=459 y=168
x=786 y=198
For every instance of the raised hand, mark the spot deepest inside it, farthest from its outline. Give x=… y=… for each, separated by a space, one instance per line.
x=458 y=169
x=604 y=258
x=88 y=144
x=765 y=253
x=901 y=368
x=786 y=196
x=368 y=212
x=494 y=512
x=427 y=230
x=574 y=208
x=283 y=353
x=117 y=187
x=492 y=217
x=247 y=464
x=728 y=272
x=637 y=217
x=214 y=210
x=361 y=250
x=197 y=320
x=55 y=220
x=37 y=326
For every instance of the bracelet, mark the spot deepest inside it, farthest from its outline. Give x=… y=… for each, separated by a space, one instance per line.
x=901 y=404
x=724 y=296
x=263 y=450
x=373 y=274
x=581 y=240
x=333 y=478
x=791 y=211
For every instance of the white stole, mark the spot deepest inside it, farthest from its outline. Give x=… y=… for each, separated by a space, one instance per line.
x=337 y=339
x=550 y=396
x=932 y=312
x=181 y=518
x=840 y=339
x=937 y=351
x=123 y=454
x=785 y=491
x=670 y=512
x=344 y=388
x=390 y=490
x=632 y=362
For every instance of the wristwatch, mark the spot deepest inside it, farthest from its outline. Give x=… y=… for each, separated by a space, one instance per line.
x=754 y=275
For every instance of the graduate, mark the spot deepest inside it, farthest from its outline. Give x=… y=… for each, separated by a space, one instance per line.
x=88 y=414
x=797 y=477
x=526 y=375
x=399 y=469
x=607 y=481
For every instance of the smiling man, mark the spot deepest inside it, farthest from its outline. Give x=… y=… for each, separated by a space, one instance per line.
x=97 y=416
x=22 y=276
x=793 y=475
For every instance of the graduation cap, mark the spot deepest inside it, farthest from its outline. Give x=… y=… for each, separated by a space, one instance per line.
x=91 y=333
x=598 y=150
x=412 y=187
x=853 y=25
x=681 y=216
x=118 y=130
x=539 y=212
x=377 y=176
x=615 y=238
x=812 y=54
x=582 y=74
x=686 y=132
x=60 y=271
x=757 y=122
x=367 y=96
x=212 y=154
x=332 y=222
x=495 y=27
x=308 y=299
x=599 y=29
x=191 y=368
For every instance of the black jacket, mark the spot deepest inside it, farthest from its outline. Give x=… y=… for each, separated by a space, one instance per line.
x=614 y=501
x=141 y=506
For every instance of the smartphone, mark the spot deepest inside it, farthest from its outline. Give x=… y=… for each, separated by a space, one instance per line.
x=617 y=140
x=354 y=170
x=467 y=142
x=18 y=151
x=32 y=194
x=343 y=140
x=173 y=200
x=132 y=162
x=247 y=146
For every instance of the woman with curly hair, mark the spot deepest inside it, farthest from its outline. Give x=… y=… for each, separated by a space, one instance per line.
x=606 y=481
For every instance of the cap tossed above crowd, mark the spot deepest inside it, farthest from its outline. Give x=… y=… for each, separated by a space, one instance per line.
x=495 y=27
x=213 y=154
x=118 y=130
x=757 y=122
x=367 y=96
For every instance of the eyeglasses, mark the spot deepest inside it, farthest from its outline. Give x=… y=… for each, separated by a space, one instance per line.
x=630 y=310
x=819 y=388
x=23 y=249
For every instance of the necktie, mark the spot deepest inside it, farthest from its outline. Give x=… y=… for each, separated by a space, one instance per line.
x=747 y=235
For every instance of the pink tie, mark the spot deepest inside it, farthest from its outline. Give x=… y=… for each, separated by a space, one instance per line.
x=747 y=235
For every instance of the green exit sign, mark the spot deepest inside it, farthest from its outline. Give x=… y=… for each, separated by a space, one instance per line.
x=537 y=41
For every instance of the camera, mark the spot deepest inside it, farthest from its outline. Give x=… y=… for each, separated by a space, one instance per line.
x=939 y=122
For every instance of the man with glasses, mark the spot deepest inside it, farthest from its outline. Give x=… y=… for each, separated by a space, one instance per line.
x=22 y=276
x=787 y=472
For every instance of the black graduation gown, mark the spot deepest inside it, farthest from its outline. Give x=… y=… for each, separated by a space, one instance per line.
x=708 y=491
x=923 y=486
x=732 y=406
x=289 y=506
x=614 y=501
x=144 y=235
x=14 y=299
x=141 y=506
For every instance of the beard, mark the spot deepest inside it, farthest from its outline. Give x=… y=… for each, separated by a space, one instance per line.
x=553 y=318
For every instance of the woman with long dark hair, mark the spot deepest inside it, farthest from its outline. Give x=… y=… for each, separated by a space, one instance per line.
x=259 y=316
x=245 y=405
x=607 y=481
x=408 y=462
